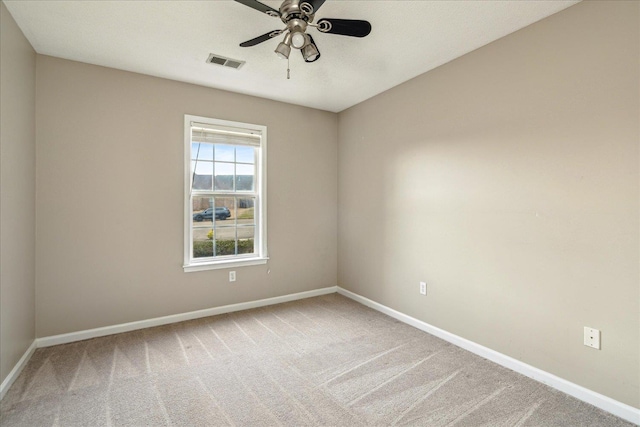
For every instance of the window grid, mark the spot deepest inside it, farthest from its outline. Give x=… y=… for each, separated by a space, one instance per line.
x=216 y=194
x=234 y=225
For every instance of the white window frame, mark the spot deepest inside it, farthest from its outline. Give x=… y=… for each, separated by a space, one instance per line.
x=260 y=257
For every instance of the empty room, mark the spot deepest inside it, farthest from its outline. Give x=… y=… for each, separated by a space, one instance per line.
x=320 y=213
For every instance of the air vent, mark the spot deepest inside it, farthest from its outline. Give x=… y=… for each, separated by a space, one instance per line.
x=226 y=62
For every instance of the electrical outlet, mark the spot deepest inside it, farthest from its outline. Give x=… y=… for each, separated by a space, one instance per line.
x=592 y=338
x=423 y=288
x=232 y=276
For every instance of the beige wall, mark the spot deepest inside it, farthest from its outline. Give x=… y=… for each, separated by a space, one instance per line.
x=110 y=198
x=17 y=194
x=508 y=180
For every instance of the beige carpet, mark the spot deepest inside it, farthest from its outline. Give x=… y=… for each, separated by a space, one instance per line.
x=322 y=361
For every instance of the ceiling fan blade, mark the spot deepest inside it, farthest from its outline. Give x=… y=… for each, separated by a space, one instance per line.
x=344 y=27
x=315 y=4
x=262 y=38
x=254 y=4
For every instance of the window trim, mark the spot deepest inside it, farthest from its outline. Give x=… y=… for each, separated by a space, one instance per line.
x=261 y=257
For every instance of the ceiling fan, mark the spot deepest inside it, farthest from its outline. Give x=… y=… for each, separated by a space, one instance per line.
x=298 y=15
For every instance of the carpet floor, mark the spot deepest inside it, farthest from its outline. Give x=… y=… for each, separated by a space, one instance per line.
x=324 y=361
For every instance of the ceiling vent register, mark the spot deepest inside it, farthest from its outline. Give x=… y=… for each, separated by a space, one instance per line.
x=225 y=62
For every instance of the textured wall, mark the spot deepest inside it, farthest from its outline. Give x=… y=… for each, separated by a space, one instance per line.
x=18 y=192
x=508 y=180
x=110 y=198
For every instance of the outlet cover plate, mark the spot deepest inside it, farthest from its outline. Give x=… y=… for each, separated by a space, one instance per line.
x=232 y=276
x=423 y=288
x=592 y=337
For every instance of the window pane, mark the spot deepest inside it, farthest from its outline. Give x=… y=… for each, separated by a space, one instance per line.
x=202 y=151
x=201 y=208
x=225 y=211
x=225 y=233
x=202 y=242
x=224 y=176
x=246 y=215
x=225 y=153
x=246 y=239
x=245 y=154
x=203 y=176
x=244 y=177
x=225 y=241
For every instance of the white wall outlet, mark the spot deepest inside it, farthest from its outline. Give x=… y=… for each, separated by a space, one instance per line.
x=232 y=276
x=592 y=338
x=423 y=288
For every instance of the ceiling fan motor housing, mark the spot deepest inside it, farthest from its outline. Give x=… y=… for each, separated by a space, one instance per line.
x=296 y=9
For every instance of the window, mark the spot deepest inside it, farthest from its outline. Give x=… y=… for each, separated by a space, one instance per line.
x=225 y=206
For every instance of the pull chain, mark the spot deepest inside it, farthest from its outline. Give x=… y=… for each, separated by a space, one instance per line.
x=288 y=71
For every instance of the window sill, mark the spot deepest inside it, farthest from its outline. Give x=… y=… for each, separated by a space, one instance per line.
x=216 y=265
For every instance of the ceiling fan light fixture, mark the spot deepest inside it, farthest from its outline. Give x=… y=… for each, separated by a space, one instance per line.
x=298 y=40
x=283 y=50
x=310 y=52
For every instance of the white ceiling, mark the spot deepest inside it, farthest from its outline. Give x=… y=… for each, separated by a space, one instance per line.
x=172 y=39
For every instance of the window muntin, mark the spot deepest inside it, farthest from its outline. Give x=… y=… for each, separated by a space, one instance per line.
x=225 y=187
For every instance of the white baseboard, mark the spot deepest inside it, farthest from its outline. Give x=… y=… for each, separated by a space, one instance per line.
x=8 y=381
x=619 y=409
x=158 y=321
